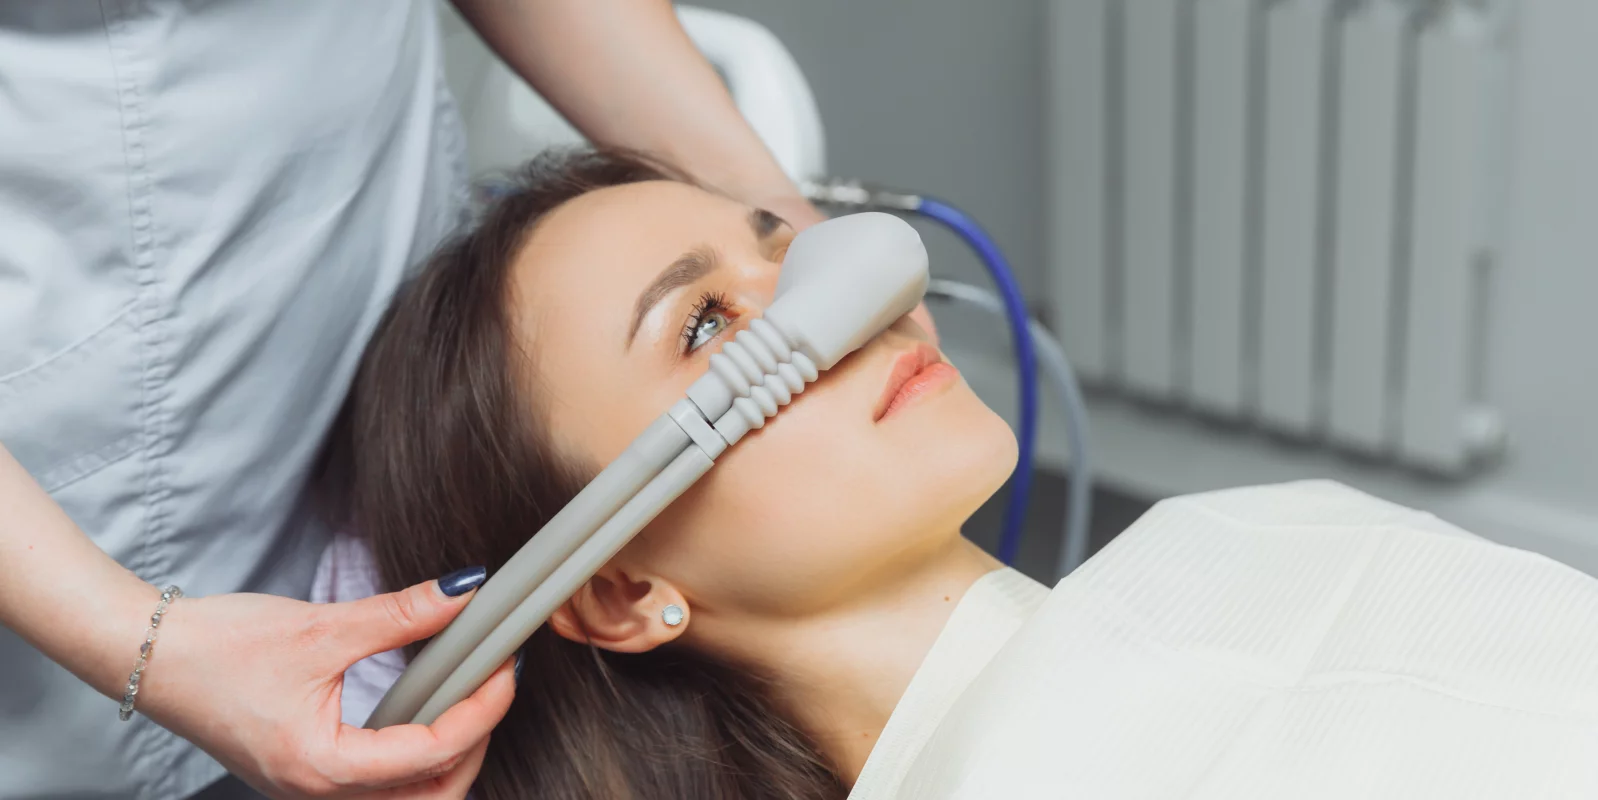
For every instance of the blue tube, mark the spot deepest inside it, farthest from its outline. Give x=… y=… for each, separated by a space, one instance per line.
x=1015 y=310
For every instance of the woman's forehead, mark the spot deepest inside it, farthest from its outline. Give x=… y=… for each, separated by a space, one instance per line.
x=619 y=237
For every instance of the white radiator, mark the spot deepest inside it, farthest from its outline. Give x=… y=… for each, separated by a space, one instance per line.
x=1279 y=213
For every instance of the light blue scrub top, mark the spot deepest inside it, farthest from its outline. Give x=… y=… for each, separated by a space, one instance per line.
x=204 y=208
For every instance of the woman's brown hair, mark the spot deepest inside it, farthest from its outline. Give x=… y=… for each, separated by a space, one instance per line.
x=440 y=461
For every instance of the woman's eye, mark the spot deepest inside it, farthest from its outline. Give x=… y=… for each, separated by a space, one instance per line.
x=710 y=325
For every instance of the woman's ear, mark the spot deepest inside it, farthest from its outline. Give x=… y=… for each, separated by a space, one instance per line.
x=623 y=613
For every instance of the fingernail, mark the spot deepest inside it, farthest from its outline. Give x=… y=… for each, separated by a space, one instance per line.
x=462 y=581
x=517 y=670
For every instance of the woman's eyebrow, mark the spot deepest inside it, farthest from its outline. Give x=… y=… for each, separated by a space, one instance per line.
x=689 y=267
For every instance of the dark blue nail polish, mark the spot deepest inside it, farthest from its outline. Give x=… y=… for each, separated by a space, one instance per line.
x=517 y=670
x=462 y=581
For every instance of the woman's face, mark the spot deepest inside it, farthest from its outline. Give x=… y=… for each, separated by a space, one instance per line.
x=620 y=297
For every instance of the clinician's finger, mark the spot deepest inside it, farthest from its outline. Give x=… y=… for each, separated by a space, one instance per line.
x=387 y=621
x=457 y=782
x=406 y=754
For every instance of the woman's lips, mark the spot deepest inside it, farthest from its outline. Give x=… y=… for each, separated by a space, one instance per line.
x=915 y=373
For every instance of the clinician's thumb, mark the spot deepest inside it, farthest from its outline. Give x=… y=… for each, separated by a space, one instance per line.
x=388 y=621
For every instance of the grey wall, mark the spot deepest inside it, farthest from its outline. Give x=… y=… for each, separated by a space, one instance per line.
x=938 y=96
x=1545 y=332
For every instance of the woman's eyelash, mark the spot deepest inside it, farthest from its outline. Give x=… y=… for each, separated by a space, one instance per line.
x=709 y=303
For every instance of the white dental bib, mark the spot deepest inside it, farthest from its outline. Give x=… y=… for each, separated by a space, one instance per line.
x=1293 y=641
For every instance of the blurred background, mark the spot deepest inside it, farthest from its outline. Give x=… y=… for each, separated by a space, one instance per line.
x=1278 y=240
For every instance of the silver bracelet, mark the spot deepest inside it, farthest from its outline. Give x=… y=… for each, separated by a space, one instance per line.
x=131 y=691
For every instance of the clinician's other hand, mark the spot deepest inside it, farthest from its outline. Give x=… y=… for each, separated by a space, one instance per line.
x=801 y=214
x=255 y=681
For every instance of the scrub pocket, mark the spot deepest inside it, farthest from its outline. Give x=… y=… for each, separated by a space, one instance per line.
x=76 y=410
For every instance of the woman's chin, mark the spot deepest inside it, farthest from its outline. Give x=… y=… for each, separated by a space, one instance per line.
x=965 y=464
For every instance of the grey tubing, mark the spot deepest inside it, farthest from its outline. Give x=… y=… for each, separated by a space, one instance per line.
x=1080 y=493
x=566 y=580
x=639 y=464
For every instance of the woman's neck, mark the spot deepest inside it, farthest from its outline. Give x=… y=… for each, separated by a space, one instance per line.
x=842 y=673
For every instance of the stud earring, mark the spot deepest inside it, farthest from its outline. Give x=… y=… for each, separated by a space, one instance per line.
x=672 y=615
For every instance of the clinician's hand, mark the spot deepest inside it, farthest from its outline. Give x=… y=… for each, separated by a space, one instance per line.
x=255 y=681
x=801 y=214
